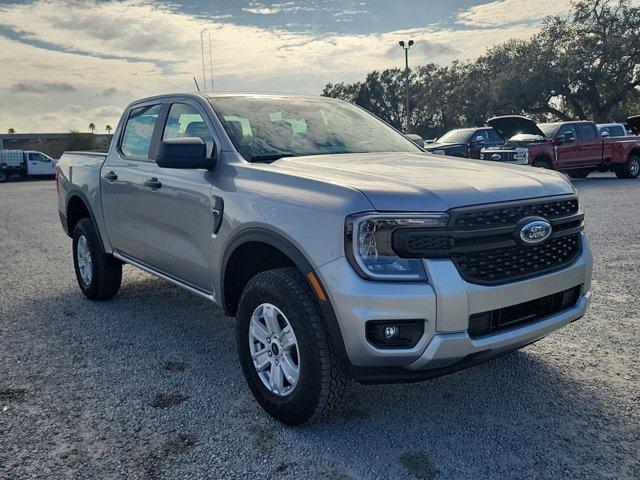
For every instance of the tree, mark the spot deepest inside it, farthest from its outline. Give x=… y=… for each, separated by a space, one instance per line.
x=11 y=131
x=80 y=141
x=92 y=127
x=109 y=129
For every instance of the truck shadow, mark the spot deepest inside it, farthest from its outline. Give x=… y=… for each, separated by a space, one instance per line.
x=522 y=412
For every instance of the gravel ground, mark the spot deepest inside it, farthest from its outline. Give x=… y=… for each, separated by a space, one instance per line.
x=148 y=385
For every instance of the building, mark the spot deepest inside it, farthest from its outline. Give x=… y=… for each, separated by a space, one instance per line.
x=53 y=144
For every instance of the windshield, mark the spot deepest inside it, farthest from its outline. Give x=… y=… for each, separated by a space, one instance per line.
x=457 y=136
x=268 y=127
x=549 y=129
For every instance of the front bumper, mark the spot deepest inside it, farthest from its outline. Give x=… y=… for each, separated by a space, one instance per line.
x=445 y=304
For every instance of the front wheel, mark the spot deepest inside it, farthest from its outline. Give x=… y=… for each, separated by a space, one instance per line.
x=631 y=169
x=285 y=353
x=541 y=164
x=3 y=177
x=99 y=275
x=581 y=173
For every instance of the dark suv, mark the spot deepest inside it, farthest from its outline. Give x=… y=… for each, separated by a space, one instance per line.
x=465 y=142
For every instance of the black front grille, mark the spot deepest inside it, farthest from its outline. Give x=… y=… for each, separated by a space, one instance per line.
x=505 y=156
x=495 y=321
x=517 y=262
x=499 y=216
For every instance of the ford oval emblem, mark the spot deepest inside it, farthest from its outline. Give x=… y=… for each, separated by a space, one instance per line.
x=535 y=232
x=496 y=156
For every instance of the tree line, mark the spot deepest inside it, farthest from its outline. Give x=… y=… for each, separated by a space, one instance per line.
x=580 y=66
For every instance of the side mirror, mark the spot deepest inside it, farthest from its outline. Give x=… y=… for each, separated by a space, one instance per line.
x=605 y=134
x=568 y=137
x=417 y=139
x=184 y=152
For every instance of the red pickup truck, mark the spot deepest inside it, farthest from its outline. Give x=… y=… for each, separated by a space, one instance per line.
x=576 y=148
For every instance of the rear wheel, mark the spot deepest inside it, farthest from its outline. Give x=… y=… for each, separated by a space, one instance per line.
x=3 y=177
x=99 y=275
x=285 y=353
x=581 y=173
x=541 y=164
x=631 y=169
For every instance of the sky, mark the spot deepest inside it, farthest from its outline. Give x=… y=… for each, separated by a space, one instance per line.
x=64 y=64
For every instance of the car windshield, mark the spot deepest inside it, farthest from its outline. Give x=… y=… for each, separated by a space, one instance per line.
x=265 y=128
x=457 y=136
x=549 y=129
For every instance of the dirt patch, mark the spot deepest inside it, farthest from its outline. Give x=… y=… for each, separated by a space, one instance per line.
x=167 y=400
x=176 y=367
x=12 y=394
x=419 y=465
x=179 y=443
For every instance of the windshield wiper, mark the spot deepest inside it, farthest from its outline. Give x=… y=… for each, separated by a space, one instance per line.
x=269 y=157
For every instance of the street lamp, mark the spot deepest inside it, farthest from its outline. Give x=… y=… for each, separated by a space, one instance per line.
x=406 y=48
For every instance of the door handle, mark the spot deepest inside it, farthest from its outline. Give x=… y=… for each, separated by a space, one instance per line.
x=111 y=177
x=152 y=183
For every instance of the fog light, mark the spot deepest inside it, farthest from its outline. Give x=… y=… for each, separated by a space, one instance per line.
x=394 y=333
x=391 y=332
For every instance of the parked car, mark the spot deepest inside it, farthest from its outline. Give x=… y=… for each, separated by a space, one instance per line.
x=612 y=130
x=339 y=246
x=25 y=163
x=572 y=147
x=464 y=142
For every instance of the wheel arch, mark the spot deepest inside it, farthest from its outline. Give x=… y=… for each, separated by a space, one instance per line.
x=255 y=250
x=543 y=157
x=77 y=208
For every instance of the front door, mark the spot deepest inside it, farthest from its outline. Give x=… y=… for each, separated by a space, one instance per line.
x=123 y=200
x=590 y=145
x=179 y=218
x=39 y=164
x=566 y=152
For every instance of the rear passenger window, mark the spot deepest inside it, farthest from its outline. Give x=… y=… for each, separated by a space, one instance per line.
x=494 y=137
x=185 y=121
x=136 y=140
x=587 y=131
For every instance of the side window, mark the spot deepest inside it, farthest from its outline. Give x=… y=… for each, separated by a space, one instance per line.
x=616 y=131
x=587 y=131
x=567 y=128
x=493 y=136
x=138 y=131
x=42 y=158
x=185 y=121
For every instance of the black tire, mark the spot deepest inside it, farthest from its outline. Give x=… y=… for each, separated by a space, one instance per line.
x=322 y=379
x=631 y=169
x=3 y=177
x=581 y=173
x=541 y=164
x=106 y=274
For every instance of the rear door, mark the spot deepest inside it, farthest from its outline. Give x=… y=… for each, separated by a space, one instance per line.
x=123 y=174
x=178 y=214
x=589 y=145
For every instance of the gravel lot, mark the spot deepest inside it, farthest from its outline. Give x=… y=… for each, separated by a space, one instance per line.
x=148 y=385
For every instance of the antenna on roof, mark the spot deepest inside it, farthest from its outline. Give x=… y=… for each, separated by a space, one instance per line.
x=196 y=82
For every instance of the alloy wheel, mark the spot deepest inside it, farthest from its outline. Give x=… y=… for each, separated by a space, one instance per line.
x=274 y=349
x=83 y=255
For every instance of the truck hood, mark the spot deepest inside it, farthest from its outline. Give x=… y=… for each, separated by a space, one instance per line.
x=437 y=145
x=511 y=125
x=634 y=124
x=425 y=182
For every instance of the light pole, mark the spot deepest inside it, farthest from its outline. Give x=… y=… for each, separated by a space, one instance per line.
x=406 y=48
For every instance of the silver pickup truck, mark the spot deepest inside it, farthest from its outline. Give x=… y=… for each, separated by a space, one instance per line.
x=342 y=249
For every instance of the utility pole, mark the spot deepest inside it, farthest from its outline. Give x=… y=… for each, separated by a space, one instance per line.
x=406 y=48
x=204 y=74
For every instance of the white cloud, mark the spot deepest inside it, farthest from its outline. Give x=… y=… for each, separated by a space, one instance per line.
x=504 y=12
x=117 y=51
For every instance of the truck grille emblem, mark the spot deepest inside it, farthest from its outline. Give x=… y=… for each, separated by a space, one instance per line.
x=536 y=231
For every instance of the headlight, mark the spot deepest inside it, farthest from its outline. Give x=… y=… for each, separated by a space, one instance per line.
x=369 y=244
